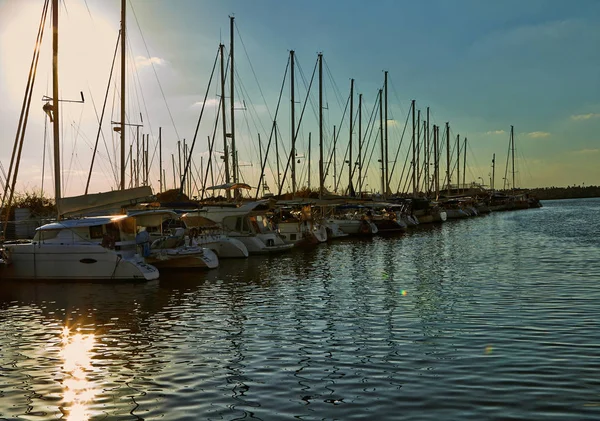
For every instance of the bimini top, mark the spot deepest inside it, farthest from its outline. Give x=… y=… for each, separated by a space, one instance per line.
x=91 y=221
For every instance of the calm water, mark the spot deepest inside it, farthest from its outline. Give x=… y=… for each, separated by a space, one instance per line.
x=494 y=317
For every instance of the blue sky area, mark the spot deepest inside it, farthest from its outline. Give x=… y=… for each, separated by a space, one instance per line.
x=480 y=65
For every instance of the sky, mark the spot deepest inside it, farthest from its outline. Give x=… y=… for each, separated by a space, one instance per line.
x=482 y=66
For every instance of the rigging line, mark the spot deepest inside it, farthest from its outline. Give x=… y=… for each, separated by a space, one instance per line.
x=102 y=114
x=10 y=183
x=252 y=68
x=370 y=137
x=332 y=147
x=274 y=127
x=74 y=150
x=336 y=91
x=108 y=154
x=138 y=88
x=189 y=158
x=155 y=73
x=300 y=119
x=400 y=145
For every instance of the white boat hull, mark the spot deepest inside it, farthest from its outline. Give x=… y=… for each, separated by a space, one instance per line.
x=33 y=261
x=225 y=247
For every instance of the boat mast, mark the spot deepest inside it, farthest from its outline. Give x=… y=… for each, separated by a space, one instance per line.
x=458 y=163
x=493 y=181
x=232 y=105
x=334 y=163
x=293 y=117
x=383 y=189
x=512 y=137
x=123 y=48
x=279 y=186
x=160 y=159
x=436 y=161
x=448 y=156
x=55 y=122
x=427 y=147
x=418 y=146
x=359 y=144
x=321 y=174
x=309 y=133
x=414 y=179
x=350 y=164
x=464 y=161
x=225 y=146
x=386 y=162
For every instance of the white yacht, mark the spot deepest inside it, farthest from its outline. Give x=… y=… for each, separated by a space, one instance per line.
x=95 y=248
x=247 y=223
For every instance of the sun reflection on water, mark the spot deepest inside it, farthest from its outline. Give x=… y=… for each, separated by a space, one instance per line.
x=76 y=352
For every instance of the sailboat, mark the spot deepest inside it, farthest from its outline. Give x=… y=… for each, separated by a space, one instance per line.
x=93 y=248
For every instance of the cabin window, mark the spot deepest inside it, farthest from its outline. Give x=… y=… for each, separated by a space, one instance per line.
x=96 y=232
x=42 y=235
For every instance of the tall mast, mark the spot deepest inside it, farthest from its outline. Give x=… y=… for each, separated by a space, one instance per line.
x=160 y=159
x=383 y=182
x=512 y=138
x=448 y=156
x=334 y=163
x=225 y=145
x=293 y=117
x=350 y=163
x=436 y=161
x=458 y=163
x=309 y=133
x=427 y=155
x=464 y=161
x=55 y=122
x=261 y=165
x=232 y=103
x=279 y=186
x=493 y=181
x=414 y=152
x=418 y=146
x=123 y=46
x=321 y=174
x=359 y=144
x=386 y=162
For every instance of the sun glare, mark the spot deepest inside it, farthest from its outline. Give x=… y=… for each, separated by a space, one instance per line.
x=86 y=46
x=76 y=352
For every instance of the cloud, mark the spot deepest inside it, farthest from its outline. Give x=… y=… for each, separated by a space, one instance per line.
x=580 y=117
x=538 y=135
x=212 y=102
x=495 y=132
x=141 y=61
x=586 y=151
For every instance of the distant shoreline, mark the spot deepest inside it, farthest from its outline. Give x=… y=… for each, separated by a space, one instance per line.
x=574 y=192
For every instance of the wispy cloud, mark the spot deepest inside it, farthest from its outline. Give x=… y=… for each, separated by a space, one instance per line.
x=586 y=151
x=495 y=132
x=538 y=135
x=212 y=102
x=580 y=117
x=141 y=61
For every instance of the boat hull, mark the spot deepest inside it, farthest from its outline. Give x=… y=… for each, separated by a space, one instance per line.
x=81 y=262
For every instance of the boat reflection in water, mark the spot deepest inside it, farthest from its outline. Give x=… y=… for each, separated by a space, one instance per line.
x=76 y=353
